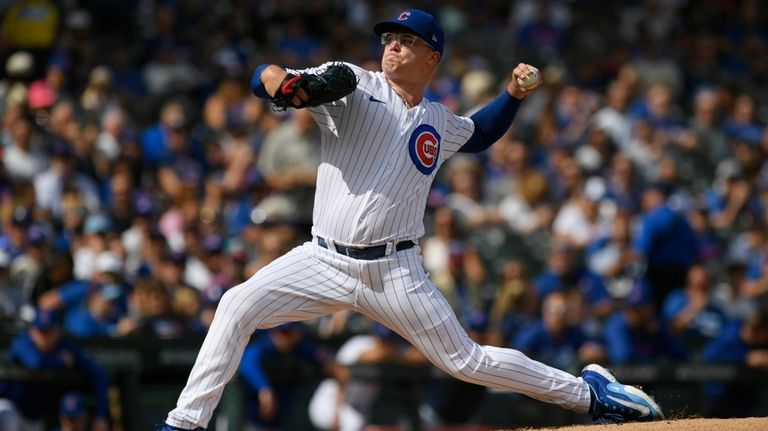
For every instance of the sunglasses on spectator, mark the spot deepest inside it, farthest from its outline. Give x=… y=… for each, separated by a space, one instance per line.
x=403 y=39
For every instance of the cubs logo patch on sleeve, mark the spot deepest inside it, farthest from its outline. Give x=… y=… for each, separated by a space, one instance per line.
x=424 y=148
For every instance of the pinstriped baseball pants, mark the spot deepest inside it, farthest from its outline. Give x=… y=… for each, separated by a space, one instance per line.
x=311 y=281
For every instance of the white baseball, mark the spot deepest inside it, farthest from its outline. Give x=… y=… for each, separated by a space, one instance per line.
x=531 y=79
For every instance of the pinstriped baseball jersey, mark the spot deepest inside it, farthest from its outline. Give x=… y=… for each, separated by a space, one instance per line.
x=378 y=161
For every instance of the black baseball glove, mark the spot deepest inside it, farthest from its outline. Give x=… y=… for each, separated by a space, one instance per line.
x=335 y=82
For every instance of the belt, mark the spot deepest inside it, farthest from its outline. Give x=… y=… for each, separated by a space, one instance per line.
x=366 y=253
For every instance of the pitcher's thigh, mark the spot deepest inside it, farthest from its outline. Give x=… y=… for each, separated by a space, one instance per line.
x=414 y=307
x=293 y=287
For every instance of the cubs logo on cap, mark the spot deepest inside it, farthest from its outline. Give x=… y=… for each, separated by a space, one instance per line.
x=71 y=405
x=424 y=148
x=403 y=15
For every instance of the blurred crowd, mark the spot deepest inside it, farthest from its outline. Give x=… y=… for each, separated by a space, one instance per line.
x=622 y=219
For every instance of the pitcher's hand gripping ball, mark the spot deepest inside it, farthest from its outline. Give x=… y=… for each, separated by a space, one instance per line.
x=530 y=80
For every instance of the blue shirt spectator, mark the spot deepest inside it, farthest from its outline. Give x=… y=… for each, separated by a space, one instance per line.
x=665 y=238
x=666 y=242
x=563 y=274
x=689 y=312
x=554 y=340
x=42 y=348
x=98 y=315
x=742 y=343
x=269 y=404
x=634 y=335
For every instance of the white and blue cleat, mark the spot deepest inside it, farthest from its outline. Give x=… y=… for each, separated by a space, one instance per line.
x=613 y=402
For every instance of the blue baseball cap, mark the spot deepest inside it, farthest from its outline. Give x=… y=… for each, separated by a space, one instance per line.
x=72 y=405
x=417 y=22
x=385 y=333
x=639 y=295
x=46 y=319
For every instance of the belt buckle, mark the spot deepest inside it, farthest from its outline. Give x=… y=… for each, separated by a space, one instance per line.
x=389 y=249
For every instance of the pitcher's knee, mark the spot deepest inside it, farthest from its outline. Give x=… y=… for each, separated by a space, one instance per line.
x=463 y=364
x=235 y=304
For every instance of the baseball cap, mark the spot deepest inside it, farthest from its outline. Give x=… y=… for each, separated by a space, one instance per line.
x=72 y=404
x=417 y=22
x=19 y=64
x=560 y=247
x=594 y=189
x=144 y=205
x=46 y=319
x=40 y=95
x=109 y=291
x=97 y=223
x=289 y=326
x=21 y=216
x=639 y=295
x=61 y=148
x=108 y=261
x=385 y=333
x=213 y=243
x=37 y=235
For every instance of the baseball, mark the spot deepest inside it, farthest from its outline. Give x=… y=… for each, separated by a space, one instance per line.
x=531 y=80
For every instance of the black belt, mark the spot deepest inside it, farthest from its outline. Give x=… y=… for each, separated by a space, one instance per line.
x=366 y=253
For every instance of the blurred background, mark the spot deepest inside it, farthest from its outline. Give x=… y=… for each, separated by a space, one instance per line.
x=622 y=219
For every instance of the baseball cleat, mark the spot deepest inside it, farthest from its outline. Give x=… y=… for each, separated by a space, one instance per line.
x=613 y=402
x=165 y=427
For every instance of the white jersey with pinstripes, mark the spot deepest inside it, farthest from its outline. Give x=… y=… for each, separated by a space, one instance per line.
x=378 y=161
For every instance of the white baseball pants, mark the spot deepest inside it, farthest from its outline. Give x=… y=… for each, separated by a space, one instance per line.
x=311 y=281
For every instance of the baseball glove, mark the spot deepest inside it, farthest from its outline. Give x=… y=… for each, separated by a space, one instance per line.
x=335 y=82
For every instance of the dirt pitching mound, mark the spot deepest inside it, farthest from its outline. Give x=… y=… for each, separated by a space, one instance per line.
x=746 y=424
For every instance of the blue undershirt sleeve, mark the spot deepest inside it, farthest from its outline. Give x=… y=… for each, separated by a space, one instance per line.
x=491 y=122
x=257 y=87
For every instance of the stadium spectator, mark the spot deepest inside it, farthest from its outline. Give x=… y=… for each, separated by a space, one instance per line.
x=464 y=197
x=269 y=404
x=731 y=202
x=554 y=340
x=610 y=255
x=565 y=273
x=743 y=343
x=42 y=348
x=666 y=243
x=289 y=160
x=151 y=314
x=99 y=314
x=519 y=188
x=457 y=269
x=740 y=124
x=71 y=296
x=514 y=305
x=73 y=413
x=690 y=313
x=346 y=404
x=634 y=334
x=580 y=220
x=51 y=184
x=24 y=155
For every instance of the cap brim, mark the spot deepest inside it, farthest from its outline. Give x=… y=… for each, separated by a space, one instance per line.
x=389 y=26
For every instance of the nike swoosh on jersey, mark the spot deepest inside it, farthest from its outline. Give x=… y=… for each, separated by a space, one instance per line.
x=645 y=411
x=373 y=99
